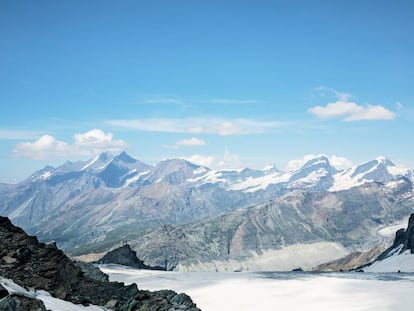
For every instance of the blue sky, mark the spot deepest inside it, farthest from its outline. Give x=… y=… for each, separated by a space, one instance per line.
x=224 y=83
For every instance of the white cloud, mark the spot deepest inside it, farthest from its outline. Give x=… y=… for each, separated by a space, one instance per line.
x=216 y=126
x=202 y=160
x=351 y=111
x=190 y=142
x=229 y=161
x=96 y=141
x=399 y=105
x=45 y=147
x=88 y=143
x=340 y=163
x=337 y=162
x=297 y=163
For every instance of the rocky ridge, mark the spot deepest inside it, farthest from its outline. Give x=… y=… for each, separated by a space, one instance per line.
x=351 y=261
x=350 y=218
x=124 y=255
x=35 y=265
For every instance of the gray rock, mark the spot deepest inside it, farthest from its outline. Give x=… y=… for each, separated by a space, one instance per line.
x=3 y=292
x=33 y=265
x=124 y=255
x=352 y=261
x=349 y=217
x=91 y=271
x=21 y=303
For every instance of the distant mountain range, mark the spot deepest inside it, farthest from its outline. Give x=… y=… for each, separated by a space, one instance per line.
x=92 y=205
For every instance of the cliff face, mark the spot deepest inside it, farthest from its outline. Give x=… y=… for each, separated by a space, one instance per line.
x=31 y=264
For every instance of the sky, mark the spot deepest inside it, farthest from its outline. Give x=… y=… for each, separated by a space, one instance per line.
x=226 y=84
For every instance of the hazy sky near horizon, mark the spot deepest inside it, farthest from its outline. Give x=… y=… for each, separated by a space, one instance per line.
x=222 y=83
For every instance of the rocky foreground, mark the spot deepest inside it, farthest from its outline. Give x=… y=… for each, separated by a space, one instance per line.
x=38 y=266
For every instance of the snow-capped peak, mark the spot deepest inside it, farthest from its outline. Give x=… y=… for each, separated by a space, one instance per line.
x=271 y=168
x=381 y=169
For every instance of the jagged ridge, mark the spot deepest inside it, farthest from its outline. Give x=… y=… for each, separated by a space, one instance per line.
x=35 y=265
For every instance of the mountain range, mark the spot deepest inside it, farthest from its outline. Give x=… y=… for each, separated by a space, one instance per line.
x=189 y=212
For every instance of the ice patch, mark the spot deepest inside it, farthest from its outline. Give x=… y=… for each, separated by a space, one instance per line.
x=134 y=178
x=46 y=175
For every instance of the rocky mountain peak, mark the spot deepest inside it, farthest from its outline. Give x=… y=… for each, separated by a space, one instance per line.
x=125 y=158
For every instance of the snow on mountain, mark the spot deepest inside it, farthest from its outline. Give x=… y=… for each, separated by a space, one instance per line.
x=121 y=169
x=403 y=262
x=175 y=171
x=379 y=170
x=316 y=174
x=81 y=201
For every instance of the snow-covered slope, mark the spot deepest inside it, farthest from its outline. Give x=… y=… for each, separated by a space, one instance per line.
x=316 y=174
x=403 y=262
x=379 y=170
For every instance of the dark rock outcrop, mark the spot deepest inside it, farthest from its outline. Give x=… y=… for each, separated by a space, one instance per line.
x=404 y=239
x=21 y=303
x=3 y=292
x=34 y=265
x=124 y=255
x=91 y=271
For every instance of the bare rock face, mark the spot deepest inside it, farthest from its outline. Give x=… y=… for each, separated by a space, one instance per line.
x=124 y=255
x=34 y=265
x=404 y=238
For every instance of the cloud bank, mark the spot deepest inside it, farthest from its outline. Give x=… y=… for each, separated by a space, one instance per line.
x=47 y=147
